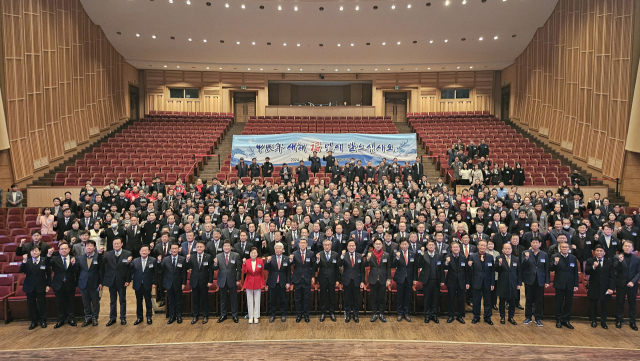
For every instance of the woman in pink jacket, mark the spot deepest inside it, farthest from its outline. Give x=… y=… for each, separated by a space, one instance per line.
x=253 y=268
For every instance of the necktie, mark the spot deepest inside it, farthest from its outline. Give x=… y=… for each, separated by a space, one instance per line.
x=508 y=261
x=226 y=259
x=35 y=261
x=352 y=263
x=278 y=279
x=144 y=264
x=466 y=251
x=174 y=263
x=360 y=236
x=302 y=257
x=406 y=260
x=64 y=262
x=199 y=260
x=164 y=249
x=327 y=253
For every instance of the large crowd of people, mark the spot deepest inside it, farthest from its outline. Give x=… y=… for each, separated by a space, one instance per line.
x=300 y=233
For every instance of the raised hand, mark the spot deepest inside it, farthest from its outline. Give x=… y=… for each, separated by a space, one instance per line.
x=448 y=259
x=500 y=261
x=557 y=259
x=269 y=259
x=621 y=257
x=369 y=256
x=398 y=255
x=159 y=258
x=470 y=263
x=50 y=252
x=526 y=255
x=595 y=264
x=129 y=259
x=24 y=258
x=290 y=258
x=215 y=261
x=73 y=260
x=343 y=252
x=188 y=257
x=318 y=256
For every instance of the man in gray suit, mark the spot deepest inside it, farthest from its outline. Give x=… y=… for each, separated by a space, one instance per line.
x=14 y=197
x=116 y=275
x=229 y=267
x=90 y=282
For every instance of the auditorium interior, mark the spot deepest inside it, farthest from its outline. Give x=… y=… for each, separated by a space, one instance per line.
x=532 y=102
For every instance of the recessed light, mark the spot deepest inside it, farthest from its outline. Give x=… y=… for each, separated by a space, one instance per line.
x=138 y=35
x=415 y=41
x=165 y=66
x=300 y=69
x=226 y=5
x=428 y=4
x=269 y=43
x=248 y=68
x=336 y=69
x=446 y=40
x=408 y=6
x=458 y=67
x=242 y=6
x=253 y=43
x=170 y=1
x=261 y=7
x=341 y=8
x=188 y=2
x=383 y=43
x=430 y=41
x=375 y=7
x=320 y=44
x=348 y=69
x=279 y=7
x=153 y=37
x=464 y=2
x=220 y=68
x=222 y=41
x=495 y=37
x=368 y=43
x=480 y=38
x=284 y=44
x=295 y=8
x=513 y=36
x=178 y=66
x=288 y=68
x=470 y=67
x=428 y=68
x=260 y=68
x=357 y=8
x=352 y=44
x=393 y=7
x=389 y=69
x=321 y=8
x=297 y=44
x=463 y=39
x=416 y=68
x=119 y=33
x=338 y=44
x=375 y=69
x=189 y=39
x=398 y=43
x=446 y=3
x=207 y=68
x=237 y=42
x=204 y=40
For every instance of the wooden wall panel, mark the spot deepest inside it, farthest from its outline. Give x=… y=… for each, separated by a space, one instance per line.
x=63 y=81
x=573 y=80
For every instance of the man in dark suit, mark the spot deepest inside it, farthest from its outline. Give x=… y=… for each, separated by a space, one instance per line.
x=35 y=286
x=25 y=247
x=627 y=268
x=362 y=239
x=189 y=246
x=565 y=266
x=90 y=282
x=482 y=276
x=315 y=163
x=328 y=269
x=501 y=237
x=243 y=247
x=116 y=276
x=406 y=271
x=608 y=241
x=242 y=168
x=278 y=281
x=134 y=238
x=602 y=282
x=229 y=267
x=535 y=275
x=267 y=168
x=174 y=278
x=214 y=246
x=457 y=282
x=302 y=278
x=329 y=161
x=161 y=250
x=254 y=169
x=143 y=271
x=303 y=172
x=509 y=282
x=352 y=280
x=583 y=243
x=201 y=266
x=379 y=278
x=63 y=283
x=431 y=276
x=418 y=169
x=629 y=232
x=64 y=223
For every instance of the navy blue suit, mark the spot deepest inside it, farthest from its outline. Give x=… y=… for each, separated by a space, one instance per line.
x=302 y=274
x=352 y=276
x=277 y=281
x=362 y=241
x=508 y=282
x=535 y=274
x=566 y=278
x=174 y=277
x=143 y=280
x=406 y=271
x=456 y=281
x=201 y=276
x=482 y=276
x=38 y=276
x=627 y=270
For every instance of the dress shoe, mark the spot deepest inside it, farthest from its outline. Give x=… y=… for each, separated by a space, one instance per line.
x=205 y=319
x=435 y=319
x=272 y=318
x=568 y=325
x=604 y=325
x=171 y=320
x=86 y=323
x=512 y=321
x=283 y=318
x=58 y=325
x=123 y=322
x=72 y=323
x=222 y=318
x=322 y=316
x=235 y=319
x=194 y=320
x=149 y=321
x=475 y=320
x=527 y=321
x=539 y=323
x=306 y=319
x=162 y=303
x=399 y=318
x=558 y=324
x=374 y=318
x=519 y=306
x=138 y=321
x=406 y=317
x=111 y=322
x=488 y=322
x=382 y=318
x=355 y=319
x=460 y=319
x=495 y=308
x=450 y=320
x=94 y=322
x=298 y=319
x=43 y=324
x=619 y=324
x=594 y=324
x=250 y=320
x=179 y=320
x=633 y=326
x=427 y=319
x=333 y=317
x=502 y=321
x=32 y=326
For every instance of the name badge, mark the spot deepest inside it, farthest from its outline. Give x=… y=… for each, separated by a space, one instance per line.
x=308 y=247
x=614 y=243
x=232 y=261
x=419 y=251
x=175 y=232
x=384 y=260
x=489 y=264
x=543 y=260
x=95 y=261
x=151 y=265
x=515 y=264
x=634 y=234
x=588 y=242
x=219 y=249
x=284 y=263
x=246 y=252
x=572 y=264
x=43 y=267
x=541 y=217
x=257 y=239
x=333 y=261
x=205 y=263
x=438 y=263
x=125 y=261
x=444 y=251
x=410 y=259
x=259 y=266
x=235 y=236
x=361 y=260
x=462 y=264
x=526 y=224
x=344 y=241
x=179 y=265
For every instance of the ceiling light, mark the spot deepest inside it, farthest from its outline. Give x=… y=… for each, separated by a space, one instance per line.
x=237 y=42
x=480 y=38
x=204 y=41
x=408 y=6
x=178 y=66
x=389 y=69
x=260 y=68
x=428 y=68
x=242 y=6
x=153 y=36
x=375 y=69
x=446 y=40
x=138 y=35
x=495 y=37
x=285 y=44
x=207 y=68
x=398 y=43
x=300 y=69
x=338 y=44
x=165 y=66
x=351 y=44
x=288 y=68
x=226 y=5
x=470 y=67
x=189 y=39
x=220 y=68
x=279 y=7
x=383 y=43
x=188 y=2
x=295 y=8
x=464 y=2
x=297 y=44
x=446 y=3
x=416 y=68
x=170 y=1
x=253 y=43
x=430 y=41
x=336 y=69
x=393 y=7
x=248 y=68
x=341 y=8
x=357 y=8
x=458 y=67
x=348 y=69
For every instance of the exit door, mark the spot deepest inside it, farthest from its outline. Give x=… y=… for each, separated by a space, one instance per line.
x=396 y=106
x=245 y=105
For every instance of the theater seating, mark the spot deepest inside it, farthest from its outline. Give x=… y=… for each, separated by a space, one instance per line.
x=277 y=125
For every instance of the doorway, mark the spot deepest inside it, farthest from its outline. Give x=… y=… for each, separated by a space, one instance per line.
x=505 y=102
x=134 y=102
x=395 y=106
x=244 y=105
